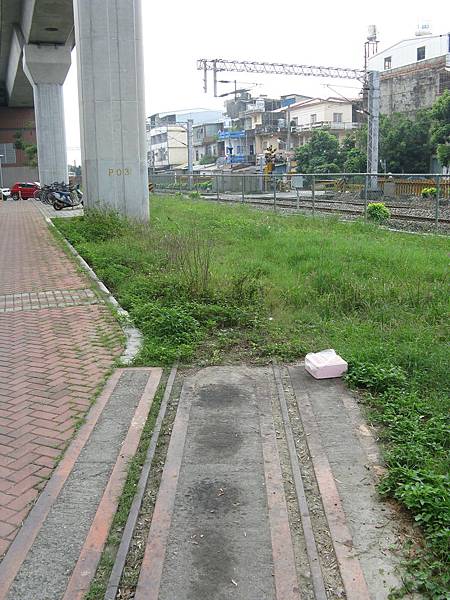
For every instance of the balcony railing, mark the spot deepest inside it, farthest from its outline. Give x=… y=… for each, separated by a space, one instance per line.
x=325 y=125
x=270 y=128
x=207 y=139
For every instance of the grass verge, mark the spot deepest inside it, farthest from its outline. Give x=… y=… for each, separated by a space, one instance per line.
x=208 y=283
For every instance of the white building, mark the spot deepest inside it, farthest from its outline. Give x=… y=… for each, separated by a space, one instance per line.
x=337 y=115
x=167 y=142
x=410 y=51
x=167 y=146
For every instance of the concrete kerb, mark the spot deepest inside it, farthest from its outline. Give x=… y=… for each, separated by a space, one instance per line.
x=133 y=335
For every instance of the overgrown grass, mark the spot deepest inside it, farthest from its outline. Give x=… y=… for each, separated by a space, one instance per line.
x=209 y=283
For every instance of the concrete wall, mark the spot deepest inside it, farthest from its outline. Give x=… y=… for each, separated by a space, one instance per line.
x=234 y=183
x=12 y=175
x=409 y=89
x=177 y=155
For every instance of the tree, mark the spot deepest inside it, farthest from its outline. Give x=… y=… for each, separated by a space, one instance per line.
x=405 y=142
x=75 y=170
x=440 y=128
x=29 y=149
x=320 y=154
x=323 y=154
x=353 y=157
x=207 y=159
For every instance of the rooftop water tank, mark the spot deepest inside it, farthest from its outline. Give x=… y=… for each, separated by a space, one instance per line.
x=423 y=28
x=372 y=33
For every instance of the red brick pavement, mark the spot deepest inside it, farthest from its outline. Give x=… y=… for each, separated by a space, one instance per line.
x=51 y=361
x=29 y=259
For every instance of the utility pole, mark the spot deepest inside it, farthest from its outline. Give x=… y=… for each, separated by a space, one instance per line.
x=288 y=139
x=373 y=81
x=190 y=141
x=1 y=171
x=152 y=160
x=214 y=77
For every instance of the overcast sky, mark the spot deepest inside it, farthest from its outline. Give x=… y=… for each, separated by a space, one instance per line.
x=320 y=32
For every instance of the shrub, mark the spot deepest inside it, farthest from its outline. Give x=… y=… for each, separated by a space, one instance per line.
x=429 y=192
x=207 y=159
x=204 y=185
x=102 y=225
x=378 y=212
x=172 y=325
x=375 y=378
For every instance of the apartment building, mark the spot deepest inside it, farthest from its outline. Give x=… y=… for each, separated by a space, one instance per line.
x=167 y=138
x=337 y=115
x=167 y=146
x=206 y=141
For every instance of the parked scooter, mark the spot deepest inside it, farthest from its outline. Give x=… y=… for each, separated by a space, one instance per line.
x=66 y=197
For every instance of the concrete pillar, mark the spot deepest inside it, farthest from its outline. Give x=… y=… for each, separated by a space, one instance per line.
x=112 y=105
x=46 y=68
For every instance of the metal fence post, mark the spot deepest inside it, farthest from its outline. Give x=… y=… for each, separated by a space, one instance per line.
x=436 y=208
x=243 y=189
x=298 y=198
x=313 y=192
x=274 y=183
x=365 y=198
x=217 y=187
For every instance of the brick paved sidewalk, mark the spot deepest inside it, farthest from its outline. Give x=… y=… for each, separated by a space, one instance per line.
x=57 y=341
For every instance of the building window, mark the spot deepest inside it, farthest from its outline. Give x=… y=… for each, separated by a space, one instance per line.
x=388 y=62
x=337 y=117
x=9 y=154
x=196 y=155
x=421 y=53
x=313 y=118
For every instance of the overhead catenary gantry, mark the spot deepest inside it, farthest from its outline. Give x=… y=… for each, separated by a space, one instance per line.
x=246 y=66
x=370 y=78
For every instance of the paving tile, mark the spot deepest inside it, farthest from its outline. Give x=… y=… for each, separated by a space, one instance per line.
x=51 y=357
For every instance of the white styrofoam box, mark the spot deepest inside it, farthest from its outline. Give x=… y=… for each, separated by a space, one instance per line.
x=325 y=364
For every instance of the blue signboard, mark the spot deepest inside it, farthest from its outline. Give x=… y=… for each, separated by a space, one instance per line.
x=230 y=135
x=233 y=159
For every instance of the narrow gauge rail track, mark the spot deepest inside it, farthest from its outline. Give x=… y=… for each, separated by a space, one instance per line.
x=350 y=569
x=292 y=204
x=331 y=209
x=127 y=534
x=324 y=200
